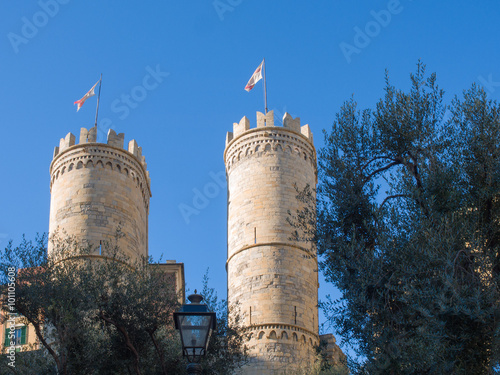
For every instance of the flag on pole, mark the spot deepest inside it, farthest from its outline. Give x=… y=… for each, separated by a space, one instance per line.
x=89 y=94
x=256 y=77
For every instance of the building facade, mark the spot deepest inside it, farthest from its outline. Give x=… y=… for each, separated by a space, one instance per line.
x=272 y=278
x=100 y=193
x=100 y=196
x=99 y=190
x=23 y=338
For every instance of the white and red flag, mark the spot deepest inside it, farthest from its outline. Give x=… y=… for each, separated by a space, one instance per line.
x=256 y=77
x=89 y=94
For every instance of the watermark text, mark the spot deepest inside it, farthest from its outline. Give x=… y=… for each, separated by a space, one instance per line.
x=31 y=25
x=201 y=197
x=11 y=322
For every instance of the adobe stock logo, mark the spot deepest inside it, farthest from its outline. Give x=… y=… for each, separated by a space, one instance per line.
x=223 y=6
x=131 y=99
x=363 y=37
x=138 y=93
x=489 y=85
x=201 y=198
x=31 y=26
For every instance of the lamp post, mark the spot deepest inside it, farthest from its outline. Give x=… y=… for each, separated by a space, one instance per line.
x=195 y=324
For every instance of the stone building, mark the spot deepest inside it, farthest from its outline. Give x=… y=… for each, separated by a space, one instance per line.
x=24 y=335
x=272 y=277
x=98 y=190
x=100 y=194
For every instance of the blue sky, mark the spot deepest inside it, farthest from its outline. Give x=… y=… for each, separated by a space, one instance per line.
x=202 y=54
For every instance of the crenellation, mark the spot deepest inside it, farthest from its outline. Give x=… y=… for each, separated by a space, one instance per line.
x=265 y=119
x=92 y=135
x=132 y=147
x=66 y=142
x=115 y=140
x=83 y=136
x=88 y=136
x=306 y=131
x=241 y=127
x=291 y=123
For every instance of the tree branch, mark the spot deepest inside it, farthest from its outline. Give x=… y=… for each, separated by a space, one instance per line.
x=391 y=197
x=38 y=332
x=395 y=162
x=128 y=342
x=375 y=158
x=158 y=349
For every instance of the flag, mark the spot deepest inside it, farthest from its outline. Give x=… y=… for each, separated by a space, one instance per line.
x=85 y=97
x=256 y=77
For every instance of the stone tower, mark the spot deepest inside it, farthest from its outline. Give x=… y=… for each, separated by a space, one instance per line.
x=98 y=189
x=273 y=277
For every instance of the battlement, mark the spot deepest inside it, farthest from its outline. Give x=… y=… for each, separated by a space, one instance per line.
x=267 y=120
x=90 y=136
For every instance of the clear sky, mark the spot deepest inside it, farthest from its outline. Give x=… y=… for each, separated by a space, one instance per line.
x=198 y=56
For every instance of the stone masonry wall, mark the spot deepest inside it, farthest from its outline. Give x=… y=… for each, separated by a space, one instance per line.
x=97 y=189
x=272 y=277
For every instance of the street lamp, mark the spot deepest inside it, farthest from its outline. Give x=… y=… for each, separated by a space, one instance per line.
x=195 y=324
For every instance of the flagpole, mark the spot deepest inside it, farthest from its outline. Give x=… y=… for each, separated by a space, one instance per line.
x=265 y=89
x=97 y=109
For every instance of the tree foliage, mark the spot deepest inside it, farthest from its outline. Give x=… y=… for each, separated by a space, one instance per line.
x=226 y=350
x=100 y=316
x=408 y=229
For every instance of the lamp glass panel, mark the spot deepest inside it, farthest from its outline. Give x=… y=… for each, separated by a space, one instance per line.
x=195 y=330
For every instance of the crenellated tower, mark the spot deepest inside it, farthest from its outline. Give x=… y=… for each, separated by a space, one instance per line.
x=273 y=277
x=98 y=189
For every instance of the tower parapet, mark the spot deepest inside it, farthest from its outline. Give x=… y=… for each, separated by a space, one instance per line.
x=100 y=189
x=273 y=277
x=244 y=141
x=267 y=120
